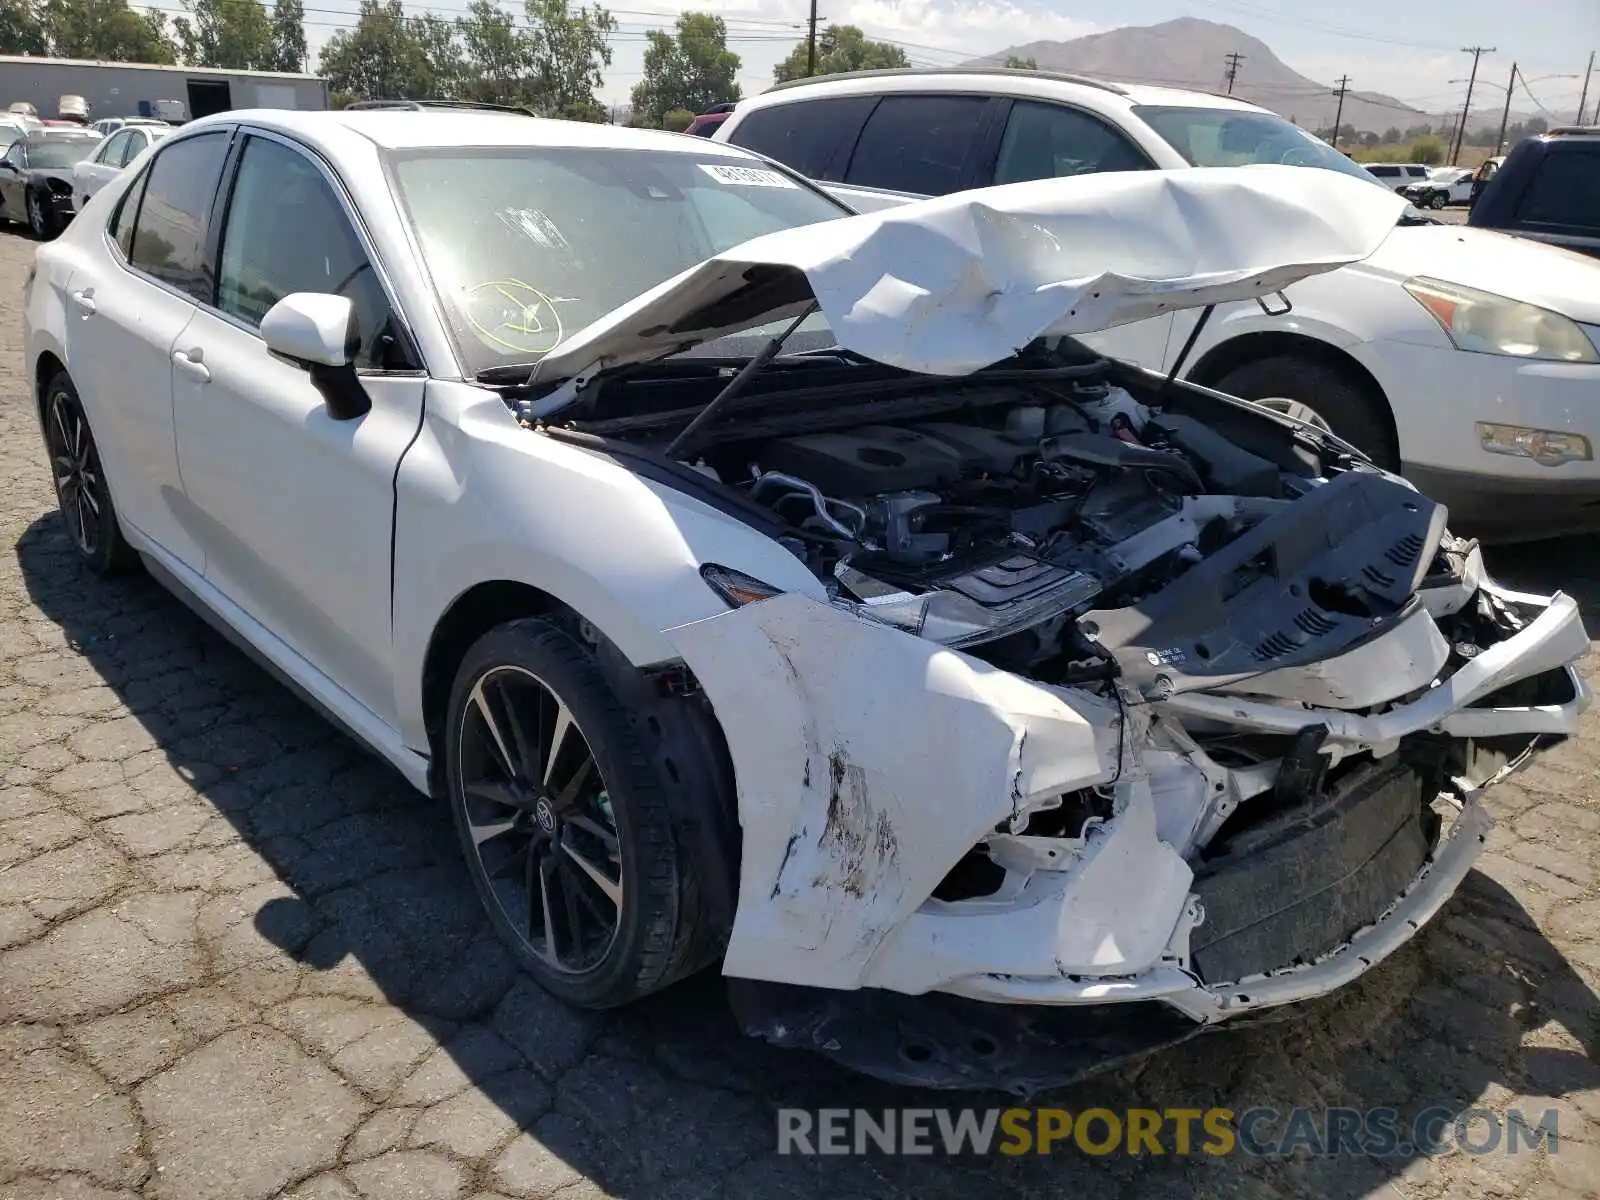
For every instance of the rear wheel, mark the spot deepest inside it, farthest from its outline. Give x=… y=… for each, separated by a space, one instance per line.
x=565 y=827
x=81 y=491
x=1436 y=200
x=1321 y=394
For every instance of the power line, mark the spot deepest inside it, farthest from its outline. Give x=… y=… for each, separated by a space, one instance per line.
x=1234 y=59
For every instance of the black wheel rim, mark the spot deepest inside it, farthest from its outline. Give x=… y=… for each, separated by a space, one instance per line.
x=76 y=472
x=540 y=820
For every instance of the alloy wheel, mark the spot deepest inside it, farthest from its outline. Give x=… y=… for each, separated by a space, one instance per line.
x=77 y=472
x=1299 y=410
x=540 y=820
x=35 y=215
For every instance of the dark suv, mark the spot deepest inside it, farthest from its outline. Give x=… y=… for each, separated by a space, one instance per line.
x=1548 y=189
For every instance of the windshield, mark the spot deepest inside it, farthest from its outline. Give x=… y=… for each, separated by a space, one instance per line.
x=1229 y=137
x=527 y=246
x=59 y=152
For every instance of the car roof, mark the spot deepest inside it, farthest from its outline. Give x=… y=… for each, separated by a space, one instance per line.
x=998 y=80
x=59 y=132
x=401 y=129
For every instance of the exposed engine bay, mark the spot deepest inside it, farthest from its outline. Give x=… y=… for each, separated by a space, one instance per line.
x=1058 y=528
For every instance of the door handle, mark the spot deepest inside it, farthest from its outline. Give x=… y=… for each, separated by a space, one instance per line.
x=189 y=362
x=84 y=299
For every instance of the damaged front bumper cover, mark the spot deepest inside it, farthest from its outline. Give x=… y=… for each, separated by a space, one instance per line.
x=885 y=758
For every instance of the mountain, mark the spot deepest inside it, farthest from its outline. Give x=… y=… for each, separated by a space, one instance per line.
x=1189 y=52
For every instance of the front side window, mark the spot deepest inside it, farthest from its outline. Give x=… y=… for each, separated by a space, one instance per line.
x=115 y=151
x=806 y=135
x=1044 y=141
x=287 y=232
x=1228 y=137
x=917 y=144
x=526 y=246
x=169 y=233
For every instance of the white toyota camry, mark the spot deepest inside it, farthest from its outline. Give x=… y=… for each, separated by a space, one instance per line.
x=797 y=593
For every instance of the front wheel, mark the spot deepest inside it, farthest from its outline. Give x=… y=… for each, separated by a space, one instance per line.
x=1320 y=394
x=565 y=826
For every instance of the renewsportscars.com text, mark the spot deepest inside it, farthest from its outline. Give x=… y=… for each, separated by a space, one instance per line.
x=1263 y=1132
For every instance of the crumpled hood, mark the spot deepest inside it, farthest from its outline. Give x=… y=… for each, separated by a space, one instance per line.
x=41 y=173
x=1533 y=272
x=950 y=285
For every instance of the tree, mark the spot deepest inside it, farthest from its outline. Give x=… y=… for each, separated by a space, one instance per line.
x=1536 y=125
x=499 y=55
x=841 y=48
x=288 y=36
x=570 y=53
x=1392 y=136
x=692 y=69
x=1013 y=63
x=226 y=33
x=381 y=58
x=21 y=29
x=1368 y=138
x=1429 y=151
x=1418 y=131
x=107 y=29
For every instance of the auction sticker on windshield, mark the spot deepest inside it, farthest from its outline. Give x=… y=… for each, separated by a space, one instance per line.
x=746 y=176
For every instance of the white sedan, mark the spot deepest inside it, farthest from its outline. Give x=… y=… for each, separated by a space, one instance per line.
x=751 y=599
x=119 y=149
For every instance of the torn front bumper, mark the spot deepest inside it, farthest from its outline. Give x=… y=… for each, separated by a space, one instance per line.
x=869 y=762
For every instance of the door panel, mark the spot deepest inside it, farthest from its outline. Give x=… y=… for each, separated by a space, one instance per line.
x=293 y=508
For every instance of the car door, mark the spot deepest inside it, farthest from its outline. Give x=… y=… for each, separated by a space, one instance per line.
x=127 y=305
x=93 y=174
x=13 y=182
x=1042 y=140
x=296 y=507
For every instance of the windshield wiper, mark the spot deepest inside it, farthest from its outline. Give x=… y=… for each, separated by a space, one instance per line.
x=516 y=373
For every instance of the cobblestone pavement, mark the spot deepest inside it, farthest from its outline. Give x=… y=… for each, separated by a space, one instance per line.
x=241 y=960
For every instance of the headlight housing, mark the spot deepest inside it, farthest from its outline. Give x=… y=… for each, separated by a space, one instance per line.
x=1483 y=323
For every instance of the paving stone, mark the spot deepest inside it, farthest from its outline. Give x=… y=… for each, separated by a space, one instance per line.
x=242 y=1116
x=473 y=1054
x=552 y=1036
x=25 y=837
x=143 y=834
x=473 y=1123
x=100 y=961
x=57 y=1115
x=384 y=1130
x=63 y=881
x=407 y=1175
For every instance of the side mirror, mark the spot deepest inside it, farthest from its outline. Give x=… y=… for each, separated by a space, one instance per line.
x=318 y=332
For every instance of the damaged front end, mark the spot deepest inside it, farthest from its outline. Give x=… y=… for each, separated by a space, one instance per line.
x=1102 y=708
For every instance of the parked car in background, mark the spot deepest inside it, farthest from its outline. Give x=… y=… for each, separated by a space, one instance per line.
x=13 y=126
x=1398 y=176
x=1547 y=189
x=36 y=178
x=1509 y=331
x=106 y=126
x=116 y=152
x=706 y=123
x=1444 y=186
x=878 y=644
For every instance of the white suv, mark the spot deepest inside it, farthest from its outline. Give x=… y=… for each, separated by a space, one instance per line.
x=1465 y=358
x=1398 y=175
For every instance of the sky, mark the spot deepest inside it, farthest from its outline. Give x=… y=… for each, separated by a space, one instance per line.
x=1410 y=50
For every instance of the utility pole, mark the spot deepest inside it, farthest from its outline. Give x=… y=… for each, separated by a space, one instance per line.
x=1234 y=60
x=1477 y=52
x=1505 y=113
x=1584 y=99
x=1344 y=86
x=811 y=42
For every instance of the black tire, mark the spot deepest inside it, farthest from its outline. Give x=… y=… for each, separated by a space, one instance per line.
x=80 y=482
x=41 y=217
x=1437 y=200
x=656 y=937
x=1350 y=405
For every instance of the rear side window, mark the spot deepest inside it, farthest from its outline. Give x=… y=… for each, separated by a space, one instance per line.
x=121 y=227
x=169 y=235
x=115 y=152
x=1383 y=172
x=917 y=144
x=1044 y=141
x=812 y=136
x=1565 y=190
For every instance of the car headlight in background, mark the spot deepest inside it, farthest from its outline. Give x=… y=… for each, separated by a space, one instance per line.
x=1484 y=323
